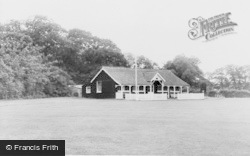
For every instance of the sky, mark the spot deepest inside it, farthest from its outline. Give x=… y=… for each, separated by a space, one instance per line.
x=157 y=29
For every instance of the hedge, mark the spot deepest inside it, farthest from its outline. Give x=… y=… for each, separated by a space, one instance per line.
x=230 y=93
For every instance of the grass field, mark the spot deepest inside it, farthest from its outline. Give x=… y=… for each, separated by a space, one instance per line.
x=90 y=126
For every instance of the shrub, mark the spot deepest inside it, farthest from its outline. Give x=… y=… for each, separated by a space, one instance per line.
x=75 y=94
x=194 y=90
x=242 y=93
x=213 y=93
x=235 y=93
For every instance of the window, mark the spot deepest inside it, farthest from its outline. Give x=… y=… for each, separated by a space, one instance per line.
x=88 y=90
x=126 y=88
x=140 y=87
x=98 y=86
x=118 y=88
x=133 y=88
x=165 y=87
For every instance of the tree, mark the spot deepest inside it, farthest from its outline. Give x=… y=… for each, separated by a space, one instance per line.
x=246 y=69
x=84 y=40
x=142 y=62
x=47 y=34
x=75 y=52
x=231 y=77
x=24 y=71
x=68 y=48
x=93 y=59
x=22 y=66
x=88 y=53
x=237 y=76
x=220 y=79
x=145 y=63
x=186 y=68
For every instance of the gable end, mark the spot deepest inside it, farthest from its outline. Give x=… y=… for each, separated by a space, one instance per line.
x=106 y=73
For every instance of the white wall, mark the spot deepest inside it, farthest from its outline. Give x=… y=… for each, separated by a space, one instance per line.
x=190 y=96
x=119 y=95
x=149 y=96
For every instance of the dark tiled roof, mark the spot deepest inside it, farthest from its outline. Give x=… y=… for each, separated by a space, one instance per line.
x=126 y=76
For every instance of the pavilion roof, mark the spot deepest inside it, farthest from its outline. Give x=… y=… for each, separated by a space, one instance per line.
x=126 y=76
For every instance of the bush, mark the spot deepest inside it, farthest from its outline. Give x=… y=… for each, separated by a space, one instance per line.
x=235 y=93
x=213 y=93
x=194 y=90
x=75 y=94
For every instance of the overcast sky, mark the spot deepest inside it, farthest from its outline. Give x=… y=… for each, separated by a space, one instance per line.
x=156 y=29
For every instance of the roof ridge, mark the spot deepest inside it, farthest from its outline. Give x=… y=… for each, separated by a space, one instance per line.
x=133 y=68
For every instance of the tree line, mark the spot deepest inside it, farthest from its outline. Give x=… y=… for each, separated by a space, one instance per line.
x=231 y=77
x=39 y=58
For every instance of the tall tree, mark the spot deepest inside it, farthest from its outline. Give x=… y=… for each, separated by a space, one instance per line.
x=89 y=53
x=231 y=77
x=220 y=79
x=84 y=40
x=186 y=68
x=68 y=50
x=24 y=73
x=142 y=62
x=93 y=59
x=237 y=76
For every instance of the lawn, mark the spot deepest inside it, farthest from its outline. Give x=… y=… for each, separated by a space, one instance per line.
x=90 y=126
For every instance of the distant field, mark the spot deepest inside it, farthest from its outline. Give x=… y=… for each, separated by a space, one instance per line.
x=90 y=126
